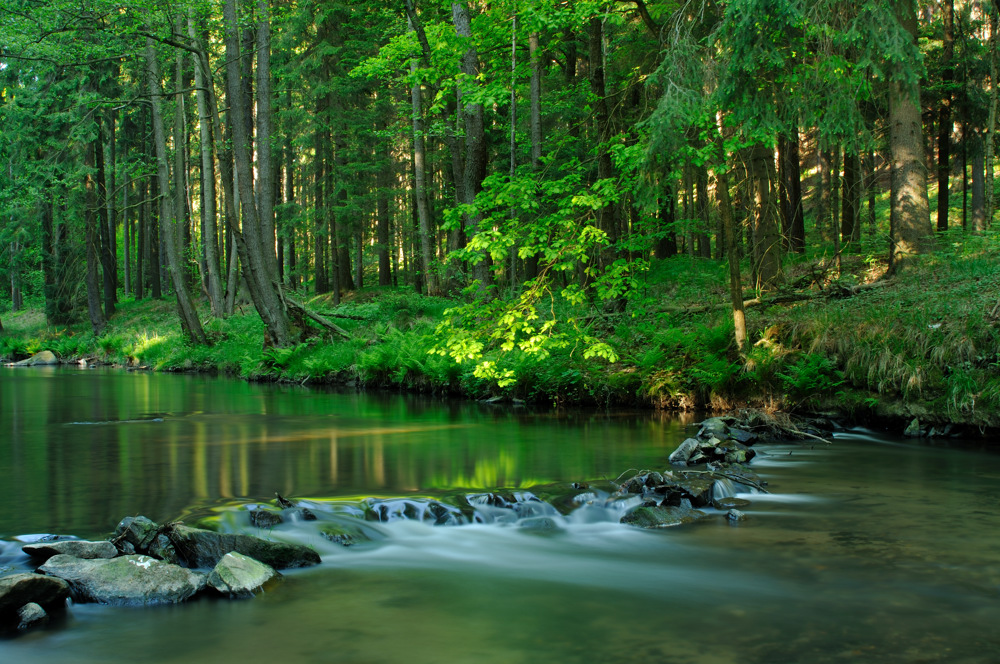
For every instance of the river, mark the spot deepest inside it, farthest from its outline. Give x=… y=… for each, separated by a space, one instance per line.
x=871 y=549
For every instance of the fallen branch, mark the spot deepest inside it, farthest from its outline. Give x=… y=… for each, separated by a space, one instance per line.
x=315 y=317
x=777 y=299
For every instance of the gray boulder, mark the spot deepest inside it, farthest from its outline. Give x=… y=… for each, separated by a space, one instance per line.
x=237 y=575
x=714 y=426
x=31 y=615
x=125 y=581
x=684 y=452
x=17 y=590
x=137 y=531
x=75 y=548
x=203 y=548
x=662 y=517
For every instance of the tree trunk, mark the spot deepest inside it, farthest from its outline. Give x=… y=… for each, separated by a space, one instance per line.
x=793 y=187
x=606 y=220
x=766 y=229
x=979 y=203
x=420 y=186
x=265 y=159
x=704 y=212
x=850 y=228
x=384 y=221
x=991 y=122
x=944 y=113
x=475 y=136
x=823 y=195
x=169 y=221
x=210 y=230
x=732 y=255
x=666 y=246
x=257 y=270
x=97 y=320
x=107 y=259
x=911 y=222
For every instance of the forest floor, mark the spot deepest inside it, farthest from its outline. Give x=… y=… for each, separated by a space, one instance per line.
x=837 y=338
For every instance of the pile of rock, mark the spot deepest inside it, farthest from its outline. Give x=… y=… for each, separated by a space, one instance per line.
x=144 y=564
x=707 y=470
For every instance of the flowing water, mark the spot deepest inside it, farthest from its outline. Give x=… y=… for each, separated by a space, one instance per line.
x=867 y=550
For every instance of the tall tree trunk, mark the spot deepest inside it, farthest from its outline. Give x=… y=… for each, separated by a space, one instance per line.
x=793 y=188
x=766 y=226
x=210 y=231
x=911 y=222
x=944 y=113
x=108 y=266
x=850 y=228
x=704 y=212
x=991 y=122
x=534 y=129
x=420 y=186
x=320 y=284
x=112 y=207
x=475 y=136
x=142 y=239
x=250 y=242
x=384 y=218
x=979 y=202
x=729 y=229
x=169 y=221
x=823 y=192
x=97 y=320
x=606 y=218
x=666 y=246
x=265 y=159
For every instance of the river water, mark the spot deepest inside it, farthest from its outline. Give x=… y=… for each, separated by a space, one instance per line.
x=867 y=550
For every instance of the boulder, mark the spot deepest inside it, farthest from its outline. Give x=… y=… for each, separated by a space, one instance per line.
x=662 y=517
x=31 y=615
x=237 y=575
x=125 y=581
x=741 y=436
x=203 y=548
x=17 y=590
x=75 y=548
x=41 y=359
x=732 y=451
x=714 y=426
x=138 y=531
x=684 y=452
x=735 y=516
x=913 y=430
x=730 y=502
x=265 y=519
x=161 y=547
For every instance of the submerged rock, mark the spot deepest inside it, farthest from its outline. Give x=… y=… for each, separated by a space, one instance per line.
x=127 y=580
x=237 y=575
x=17 y=590
x=203 y=548
x=735 y=516
x=265 y=519
x=31 y=615
x=729 y=502
x=662 y=517
x=75 y=548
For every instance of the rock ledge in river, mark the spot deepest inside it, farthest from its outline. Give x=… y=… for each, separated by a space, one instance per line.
x=127 y=580
x=237 y=575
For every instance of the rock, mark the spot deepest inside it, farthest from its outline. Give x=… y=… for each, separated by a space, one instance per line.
x=126 y=581
x=732 y=451
x=539 y=524
x=730 y=502
x=741 y=436
x=31 y=615
x=347 y=532
x=735 y=516
x=913 y=430
x=237 y=575
x=714 y=426
x=17 y=590
x=44 y=358
x=264 y=518
x=161 y=547
x=684 y=452
x=696 y=489
x=662 y=517
x=138 y=531
x=75 y=548
x=203 y=548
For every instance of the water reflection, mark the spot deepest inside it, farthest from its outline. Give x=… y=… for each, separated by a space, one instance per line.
x=86 y=447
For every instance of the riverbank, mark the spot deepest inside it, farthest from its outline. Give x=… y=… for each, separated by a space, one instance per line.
x=846 y=340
